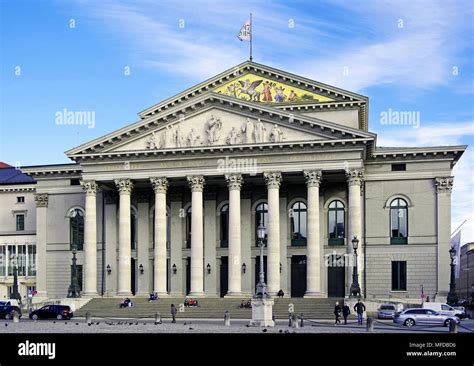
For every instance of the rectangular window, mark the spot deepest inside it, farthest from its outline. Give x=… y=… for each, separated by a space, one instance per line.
x=399 y=276
x=20 y=222
x=31 y=260
x=3 y=260
x=399 y=167
x=20 y=199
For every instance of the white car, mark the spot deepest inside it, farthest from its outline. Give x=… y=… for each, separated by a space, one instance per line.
x=420 y=316
x=444 y=309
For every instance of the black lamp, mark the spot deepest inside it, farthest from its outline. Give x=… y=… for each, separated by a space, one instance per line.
x=141 y=269
x=109 y=270
x=452 y=298
x=174 y=268
x=208 y=268
x=261 y=232
x=355 y=287
x=280 y=267
x=244 y=268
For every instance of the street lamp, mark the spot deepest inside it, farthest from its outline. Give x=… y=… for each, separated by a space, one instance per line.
x=74 y=290
x=174 y=268
x=261 y=290
x=141 y=269
x=208 y=267
x=15 y=294
x=244 y=268
x=355 y=288
x=452 y=297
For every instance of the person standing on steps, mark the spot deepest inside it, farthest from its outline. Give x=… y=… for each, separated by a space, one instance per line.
x=337 y=313
x=345 y=312
x=173 y=313
x=359 y=308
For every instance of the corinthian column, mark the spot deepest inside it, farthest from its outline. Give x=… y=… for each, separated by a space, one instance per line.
x=355 y=179
x=160 y=186
x=313 y=259
x=90 y=239
x=273 y=181
x=444 y=186
x=234 y=181
x=41 y=200
x=197 y=249
x=125 y=187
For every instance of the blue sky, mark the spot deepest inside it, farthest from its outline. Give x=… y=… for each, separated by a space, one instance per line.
x=404 y=55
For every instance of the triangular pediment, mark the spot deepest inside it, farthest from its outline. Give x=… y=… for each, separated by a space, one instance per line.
x=213 y=120
x=275 y=86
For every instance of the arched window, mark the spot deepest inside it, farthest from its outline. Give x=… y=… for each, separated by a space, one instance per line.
x=133 y=229
x=298 y=217
x=188 y=228
x=76 y=229
x=261 y=217
x=224 y=215
x=398 y=221
x=336 y=223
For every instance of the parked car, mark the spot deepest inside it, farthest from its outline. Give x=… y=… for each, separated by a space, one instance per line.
x=13 y=302
x=421 y=316
x=7 y=311
x=445 y=309
x=386 y=311
x=52 y=312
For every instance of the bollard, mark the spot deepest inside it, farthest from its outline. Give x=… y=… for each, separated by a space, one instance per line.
x=157 y=318
x=16 y=317
x=453 y=327
x=290 y=317
x=88 y=318
x=227 y=318
x=295 y=322
x=302 y=320
x=370 y=325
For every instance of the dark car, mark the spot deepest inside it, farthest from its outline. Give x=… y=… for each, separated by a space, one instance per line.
x=7 y=311
x=52 y=312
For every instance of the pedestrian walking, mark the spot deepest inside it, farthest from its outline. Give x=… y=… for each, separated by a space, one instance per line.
x=359 y=308
x=173 y=313
x=345 y=312
x=337 y=313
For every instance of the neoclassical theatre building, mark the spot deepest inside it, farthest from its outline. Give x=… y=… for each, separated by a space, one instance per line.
x=171 y=203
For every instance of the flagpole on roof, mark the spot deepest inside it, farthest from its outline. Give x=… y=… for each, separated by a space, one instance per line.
x=251 y=36
x=452 y=234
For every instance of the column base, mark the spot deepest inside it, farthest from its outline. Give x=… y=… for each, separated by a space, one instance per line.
x=176 y=294
x=314 y=295
x=90 y=294
x=142 y=294
x=196 y=294
x=163 y=294
x=262 y=313
x=233 y=294
x=124 y=293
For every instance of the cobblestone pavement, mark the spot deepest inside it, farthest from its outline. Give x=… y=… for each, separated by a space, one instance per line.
x=79 y=325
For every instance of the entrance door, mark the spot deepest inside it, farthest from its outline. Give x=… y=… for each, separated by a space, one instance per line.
x=133 y=275
x=298 y=275
x=257 y=270
x=188 y=276
x=336 y=281
x=224 y=277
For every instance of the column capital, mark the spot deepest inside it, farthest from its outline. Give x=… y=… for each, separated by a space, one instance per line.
x=355 y=176
x=41 y=199
x=196 y=182
x=313 y=177
x=234 y=181
x=124 y=185
x=89 y=186
x=444 y=184
x=272 y=179
x=160 y=184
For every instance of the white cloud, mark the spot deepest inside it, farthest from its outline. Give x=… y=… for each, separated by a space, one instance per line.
x=446 y=134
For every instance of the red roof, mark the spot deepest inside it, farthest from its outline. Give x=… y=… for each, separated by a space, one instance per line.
x=4 y=165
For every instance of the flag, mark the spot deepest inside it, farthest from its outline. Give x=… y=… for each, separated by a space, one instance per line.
x=245 y=33
x=456 y=244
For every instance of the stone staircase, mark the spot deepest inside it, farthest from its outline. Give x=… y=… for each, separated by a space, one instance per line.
x=209 y=308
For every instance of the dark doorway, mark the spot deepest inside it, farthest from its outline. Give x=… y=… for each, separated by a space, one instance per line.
x=298 y=275
x=79 y=276
x=336 y=277
x=257 y=270
x=224 y=277
x=188 y=275
x=133 y=270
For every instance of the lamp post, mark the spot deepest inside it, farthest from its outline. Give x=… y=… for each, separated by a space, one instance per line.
x=355 y=288
x=74 y=290
x=261 y=290
x=452 y=298
x=15 y=294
